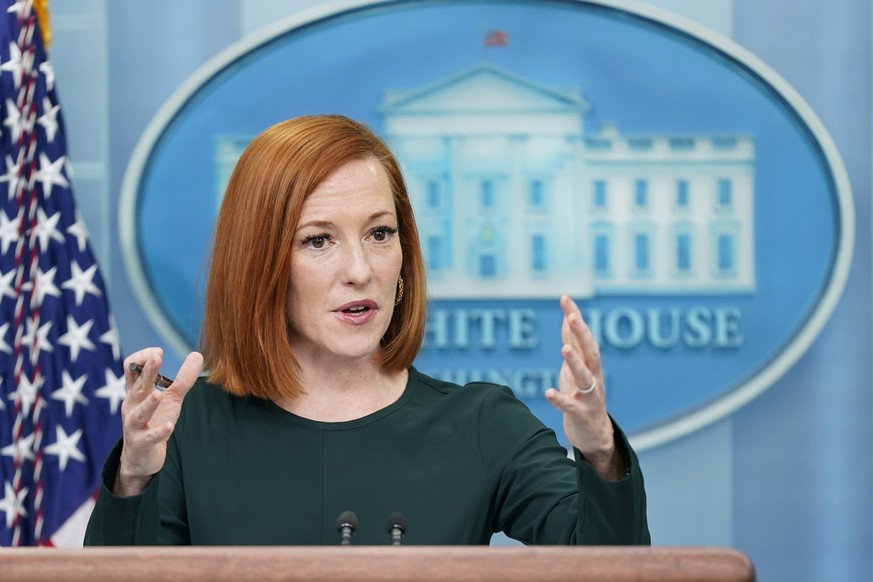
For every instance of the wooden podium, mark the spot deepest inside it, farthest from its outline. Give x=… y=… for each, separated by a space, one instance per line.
x=383 y=563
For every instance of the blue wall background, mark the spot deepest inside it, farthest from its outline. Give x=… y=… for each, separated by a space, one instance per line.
x=787 y=478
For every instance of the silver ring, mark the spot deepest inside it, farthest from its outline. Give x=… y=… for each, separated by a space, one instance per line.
x=590 y=389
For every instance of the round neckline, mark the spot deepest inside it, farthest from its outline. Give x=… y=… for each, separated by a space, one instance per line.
x=346 y=424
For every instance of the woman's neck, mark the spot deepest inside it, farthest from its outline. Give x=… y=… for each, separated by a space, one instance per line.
x=348 y=392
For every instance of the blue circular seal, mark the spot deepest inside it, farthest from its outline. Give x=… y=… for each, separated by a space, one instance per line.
x=663 y=176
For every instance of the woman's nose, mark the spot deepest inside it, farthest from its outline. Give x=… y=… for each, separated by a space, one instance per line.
x=356 y=264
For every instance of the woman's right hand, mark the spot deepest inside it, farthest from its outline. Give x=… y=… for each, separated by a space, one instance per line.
x=148 y=417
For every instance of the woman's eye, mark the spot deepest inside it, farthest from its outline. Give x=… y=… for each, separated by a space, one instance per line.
x=383 y=233
x=316 y=242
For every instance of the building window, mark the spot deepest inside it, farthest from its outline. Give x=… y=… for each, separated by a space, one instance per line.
x=433 y=194
x=487 y=266
x=538 y=253
x=642 y=260
x=683 y=252
x=601 y=254
x=486 y=191
x=682 y=144
x=486 y=234
x=434 y=254
x=640 y=144
x=725 y=193
x=641 y=193
x=726 y=259
x=724 y=143
x=682 y=196
x=599 y=193
x=536 y=195
x=596 y=144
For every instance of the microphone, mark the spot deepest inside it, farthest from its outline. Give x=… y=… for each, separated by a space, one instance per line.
x=396 y=527
x=346 y=525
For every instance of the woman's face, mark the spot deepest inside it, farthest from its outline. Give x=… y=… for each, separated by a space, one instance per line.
x=345 y=263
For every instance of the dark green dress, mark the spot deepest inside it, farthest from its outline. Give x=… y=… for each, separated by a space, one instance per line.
x=459 y=462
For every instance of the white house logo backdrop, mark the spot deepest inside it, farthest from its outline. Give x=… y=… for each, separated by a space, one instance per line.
x=666 y=179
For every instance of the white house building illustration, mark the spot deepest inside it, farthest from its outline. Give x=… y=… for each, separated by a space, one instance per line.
x=516 y=198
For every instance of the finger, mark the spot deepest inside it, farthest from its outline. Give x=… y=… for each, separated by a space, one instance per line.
x=139 y=386
x=563 y=402
x=187 y=375
x=584 y=341
x=139 y=415
x=566 y=334
x=568 y=306
x=140 y=357
x=583 y=377
x=557 y=399
x=570 y=326
x=159 y=433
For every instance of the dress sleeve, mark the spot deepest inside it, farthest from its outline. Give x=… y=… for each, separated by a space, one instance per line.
x=122 y=521
x=544 y=497
x=614 y=512
x=155 y=517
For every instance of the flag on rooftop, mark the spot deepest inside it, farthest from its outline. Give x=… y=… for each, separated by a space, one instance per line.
x=496 y=38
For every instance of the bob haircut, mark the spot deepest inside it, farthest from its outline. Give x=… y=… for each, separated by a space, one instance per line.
x=244 y=338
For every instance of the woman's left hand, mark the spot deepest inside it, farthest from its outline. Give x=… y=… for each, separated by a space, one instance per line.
x=581 y=397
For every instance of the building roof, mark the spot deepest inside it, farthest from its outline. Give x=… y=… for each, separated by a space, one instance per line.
x=484 y=88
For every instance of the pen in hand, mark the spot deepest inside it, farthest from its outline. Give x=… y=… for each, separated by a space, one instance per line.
x=161 y=382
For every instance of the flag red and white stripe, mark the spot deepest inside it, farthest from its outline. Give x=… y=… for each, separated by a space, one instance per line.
x=61 y=381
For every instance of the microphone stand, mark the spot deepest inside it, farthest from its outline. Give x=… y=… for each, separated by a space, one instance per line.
x=396 y=527
x=346 y=525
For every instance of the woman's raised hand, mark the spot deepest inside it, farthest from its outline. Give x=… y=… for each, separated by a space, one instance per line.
x=148 y=416
x=581 y=397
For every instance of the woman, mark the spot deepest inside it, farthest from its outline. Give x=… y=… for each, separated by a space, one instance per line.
x=315 y=310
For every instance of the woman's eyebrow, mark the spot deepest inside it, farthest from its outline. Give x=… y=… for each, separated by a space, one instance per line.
x=320 y=223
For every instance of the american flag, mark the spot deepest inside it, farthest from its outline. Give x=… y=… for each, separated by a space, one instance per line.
x=497 y=38
x=61 y=380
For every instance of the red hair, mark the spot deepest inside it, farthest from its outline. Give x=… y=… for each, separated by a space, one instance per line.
x=244 y=338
